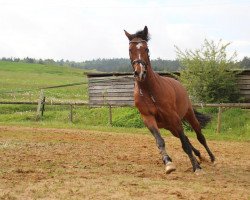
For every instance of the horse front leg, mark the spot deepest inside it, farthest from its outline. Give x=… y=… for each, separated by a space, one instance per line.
x=151 y=124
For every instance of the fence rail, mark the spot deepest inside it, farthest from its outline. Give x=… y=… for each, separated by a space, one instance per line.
x=41 y=104
x=201 y=105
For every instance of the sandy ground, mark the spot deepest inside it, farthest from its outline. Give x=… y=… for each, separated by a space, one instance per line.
x=37 y=163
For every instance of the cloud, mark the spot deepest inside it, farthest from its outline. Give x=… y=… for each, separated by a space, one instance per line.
x=80 y=30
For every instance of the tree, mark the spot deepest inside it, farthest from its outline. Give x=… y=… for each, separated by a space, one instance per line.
x=208 y=73
x=245 y=63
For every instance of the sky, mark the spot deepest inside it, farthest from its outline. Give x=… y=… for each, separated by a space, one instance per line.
x=80 y=30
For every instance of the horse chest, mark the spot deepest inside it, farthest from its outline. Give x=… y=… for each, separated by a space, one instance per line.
x=145 y=104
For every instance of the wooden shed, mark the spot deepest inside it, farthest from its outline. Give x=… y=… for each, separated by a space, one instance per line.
x=116 y=89
x=244 y=85
x=112 y=88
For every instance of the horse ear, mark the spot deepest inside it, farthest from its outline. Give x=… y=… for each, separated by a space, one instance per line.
x=129 y=36
x=145 y=30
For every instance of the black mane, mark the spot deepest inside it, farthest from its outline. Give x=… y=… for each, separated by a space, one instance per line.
x=141 y=34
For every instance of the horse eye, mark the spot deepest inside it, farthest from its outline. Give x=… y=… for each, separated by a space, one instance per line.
x=147 y=50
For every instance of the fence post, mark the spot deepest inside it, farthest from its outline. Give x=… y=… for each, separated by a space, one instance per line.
x=71 y=113
x=39 y=106
x=110 y=115
x=43 y=106
x=219 y=120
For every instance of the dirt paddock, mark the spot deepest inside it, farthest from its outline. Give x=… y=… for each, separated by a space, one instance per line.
x=41 y=163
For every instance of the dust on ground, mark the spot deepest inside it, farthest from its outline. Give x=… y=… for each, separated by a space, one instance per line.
x=46 y=163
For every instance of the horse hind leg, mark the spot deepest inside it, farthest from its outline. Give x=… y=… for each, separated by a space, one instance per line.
x=196 y=151
x=192 y=120
x=177 y=130
x=187 y=147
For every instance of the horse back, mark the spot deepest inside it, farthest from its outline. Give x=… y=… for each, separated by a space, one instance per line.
x=178 y=95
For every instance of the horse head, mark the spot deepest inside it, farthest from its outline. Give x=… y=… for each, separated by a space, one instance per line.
x=139 y=53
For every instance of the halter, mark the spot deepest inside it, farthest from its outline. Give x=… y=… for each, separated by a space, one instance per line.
x=139 y=61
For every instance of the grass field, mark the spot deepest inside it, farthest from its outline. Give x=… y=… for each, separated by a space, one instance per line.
x=28 y=78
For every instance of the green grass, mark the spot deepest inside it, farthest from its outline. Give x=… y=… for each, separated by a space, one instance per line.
x=24 y=76
x=235 y=122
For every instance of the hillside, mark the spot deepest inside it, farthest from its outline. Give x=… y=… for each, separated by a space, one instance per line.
x=21 y=81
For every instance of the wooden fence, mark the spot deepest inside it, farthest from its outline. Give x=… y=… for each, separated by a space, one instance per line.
x=41 y=105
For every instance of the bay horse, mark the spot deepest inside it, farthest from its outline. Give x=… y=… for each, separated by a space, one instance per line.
x=164 y=103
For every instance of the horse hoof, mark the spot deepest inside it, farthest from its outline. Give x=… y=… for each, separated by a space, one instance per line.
x=214 y=163
x=170 y=167
x=199 y=172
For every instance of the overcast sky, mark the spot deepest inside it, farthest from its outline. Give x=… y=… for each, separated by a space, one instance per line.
x=87 y=29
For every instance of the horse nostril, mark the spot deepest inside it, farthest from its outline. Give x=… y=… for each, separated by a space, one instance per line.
x=136 y=73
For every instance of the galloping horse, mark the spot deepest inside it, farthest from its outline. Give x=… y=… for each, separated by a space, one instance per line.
x=164 y=103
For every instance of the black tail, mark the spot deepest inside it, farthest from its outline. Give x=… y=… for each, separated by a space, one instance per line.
x=203 y=119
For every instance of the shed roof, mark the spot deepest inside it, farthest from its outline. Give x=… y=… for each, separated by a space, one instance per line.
x=90 y=75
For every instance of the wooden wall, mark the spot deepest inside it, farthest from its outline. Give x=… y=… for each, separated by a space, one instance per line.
x=113 y=90
x=244 y=85
x=117 y=88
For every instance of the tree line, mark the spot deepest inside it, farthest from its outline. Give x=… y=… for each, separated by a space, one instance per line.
x=114 y=64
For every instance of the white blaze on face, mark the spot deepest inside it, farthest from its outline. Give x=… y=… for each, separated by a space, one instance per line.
x=139 y=45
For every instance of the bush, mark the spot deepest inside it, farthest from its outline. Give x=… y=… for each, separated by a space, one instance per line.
x=208 y=74
x=127 y=117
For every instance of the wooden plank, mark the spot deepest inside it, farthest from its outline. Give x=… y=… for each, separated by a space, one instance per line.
x=112 y=98
x=243 y=81
x=242 y=77
x=111 y=83
x=96 y=102
x=112 y=91
x=112 y=95
x=244 y=87
x=104 y=87
x=245 y=92
x=109 y=79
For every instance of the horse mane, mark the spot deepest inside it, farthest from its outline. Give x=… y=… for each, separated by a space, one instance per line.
x=141 y=34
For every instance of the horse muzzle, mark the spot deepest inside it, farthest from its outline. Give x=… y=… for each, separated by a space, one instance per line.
x=140 y=76
x=140 y=70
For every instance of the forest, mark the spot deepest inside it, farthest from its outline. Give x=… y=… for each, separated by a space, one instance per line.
x=114 y=64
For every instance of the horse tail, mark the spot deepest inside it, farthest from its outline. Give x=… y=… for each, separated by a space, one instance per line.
x=202 y=118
